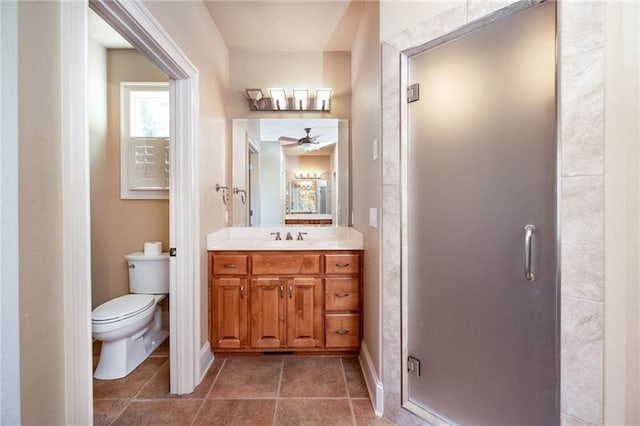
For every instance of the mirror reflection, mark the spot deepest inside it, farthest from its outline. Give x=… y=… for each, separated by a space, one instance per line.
x=293 y=172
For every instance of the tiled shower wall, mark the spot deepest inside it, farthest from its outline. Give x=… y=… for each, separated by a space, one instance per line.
x=581 y=133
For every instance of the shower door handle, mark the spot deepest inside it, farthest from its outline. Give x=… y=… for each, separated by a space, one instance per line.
x=528 y=249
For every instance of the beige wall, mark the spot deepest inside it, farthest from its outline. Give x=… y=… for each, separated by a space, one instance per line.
x=312 y=70
x=118 y=227
x=191 y=26
x=40 y=209
x=621 y=213
x=365 y=173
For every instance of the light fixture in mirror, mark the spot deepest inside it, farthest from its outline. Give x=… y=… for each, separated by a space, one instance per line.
x=286 y=183
x=279 y=101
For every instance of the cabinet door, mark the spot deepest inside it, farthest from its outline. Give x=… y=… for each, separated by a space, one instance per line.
x=304 y=313
x=268 y=313
x=229 y=319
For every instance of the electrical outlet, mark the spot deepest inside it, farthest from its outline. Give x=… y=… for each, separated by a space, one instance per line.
x=353 y=218
x=373 y=217
x=375 y=149
x=226 y=217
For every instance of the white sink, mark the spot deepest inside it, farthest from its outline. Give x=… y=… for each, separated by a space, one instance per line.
x=315 y=238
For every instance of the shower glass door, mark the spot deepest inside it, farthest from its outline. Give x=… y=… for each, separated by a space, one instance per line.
x=481 y=286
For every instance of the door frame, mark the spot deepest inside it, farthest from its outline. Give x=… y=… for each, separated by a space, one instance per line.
x=404 y=56
x=136 y=23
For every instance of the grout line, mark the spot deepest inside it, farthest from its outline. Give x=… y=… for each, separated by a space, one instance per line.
x=275 y=412
x=150 y=378
x=140 y=390
x=213 y=382
x=120 y=413
x=346 y=385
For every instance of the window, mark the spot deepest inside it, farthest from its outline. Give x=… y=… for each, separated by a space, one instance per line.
x=144 y=144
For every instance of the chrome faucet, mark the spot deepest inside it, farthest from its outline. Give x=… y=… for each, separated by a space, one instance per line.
x=300 y=234
x=277 y=234
x=289 y=237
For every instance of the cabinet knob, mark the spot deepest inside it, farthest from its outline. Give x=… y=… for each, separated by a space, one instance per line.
x=242 y=292
x=290 y=291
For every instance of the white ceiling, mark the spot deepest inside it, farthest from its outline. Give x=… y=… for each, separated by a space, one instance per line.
x=104 y=35
x=287 y=26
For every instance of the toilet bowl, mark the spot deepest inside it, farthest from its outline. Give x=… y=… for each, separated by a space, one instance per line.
x=130 y=326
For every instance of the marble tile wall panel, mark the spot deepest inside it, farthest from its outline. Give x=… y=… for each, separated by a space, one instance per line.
x=391 y=106
x=435 y=27
x=581 y=26
x=581 y=359
x=567 y=420
x=582 y=250
x=479 y=8
x=582 y=113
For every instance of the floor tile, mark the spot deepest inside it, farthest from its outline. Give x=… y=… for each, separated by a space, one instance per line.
x=314 y=412
x=364 y=414
x=237 y=412
x=248 y=378
x=159 y=412
x=105 y=411
x=158 y=386
x=128 y=386
x=312 y=377
x=355 y=380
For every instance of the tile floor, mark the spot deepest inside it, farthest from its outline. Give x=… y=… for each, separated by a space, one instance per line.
x=267 y=390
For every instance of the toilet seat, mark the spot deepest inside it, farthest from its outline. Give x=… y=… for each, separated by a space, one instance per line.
x=121 y=308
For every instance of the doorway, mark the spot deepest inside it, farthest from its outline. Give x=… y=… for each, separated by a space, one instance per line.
x=480 y=283
x=141 y=29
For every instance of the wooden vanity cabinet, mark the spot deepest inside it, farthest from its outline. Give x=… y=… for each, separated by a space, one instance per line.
x=307 y=301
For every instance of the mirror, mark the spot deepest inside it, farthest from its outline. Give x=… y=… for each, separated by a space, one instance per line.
x=290 y=172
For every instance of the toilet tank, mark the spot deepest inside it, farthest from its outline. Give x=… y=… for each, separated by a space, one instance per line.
x=148 y=274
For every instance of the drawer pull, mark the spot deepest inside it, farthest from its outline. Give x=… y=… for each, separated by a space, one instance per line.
x=343 y=332
x=341 y=295
x=342 y=265
x=230 y=265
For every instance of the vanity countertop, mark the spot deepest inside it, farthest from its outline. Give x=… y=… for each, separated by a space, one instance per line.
x=260 y=238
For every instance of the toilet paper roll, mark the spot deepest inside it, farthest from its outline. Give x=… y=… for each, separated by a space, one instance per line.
x=153 y=248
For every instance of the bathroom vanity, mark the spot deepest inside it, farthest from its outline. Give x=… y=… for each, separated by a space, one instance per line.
x=268 y=295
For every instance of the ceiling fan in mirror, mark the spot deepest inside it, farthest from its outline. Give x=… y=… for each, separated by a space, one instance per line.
x=307 y=142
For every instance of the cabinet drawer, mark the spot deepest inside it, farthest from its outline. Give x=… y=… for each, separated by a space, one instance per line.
x=230 y=264
x=341 y=294
x=342 y=263
x=342 y=330
x=271 y=264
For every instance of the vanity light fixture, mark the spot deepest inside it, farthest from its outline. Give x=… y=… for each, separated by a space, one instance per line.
x=323 y=99
x=279 y=97
x=300 y=96
x=301 y=100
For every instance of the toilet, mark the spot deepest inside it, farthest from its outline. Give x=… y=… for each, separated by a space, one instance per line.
x=130 y=326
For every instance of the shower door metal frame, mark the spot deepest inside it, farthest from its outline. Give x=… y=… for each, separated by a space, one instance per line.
x=405 y=56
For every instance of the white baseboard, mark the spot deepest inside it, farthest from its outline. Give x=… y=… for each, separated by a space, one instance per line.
x=374 y=385
x=206 y=359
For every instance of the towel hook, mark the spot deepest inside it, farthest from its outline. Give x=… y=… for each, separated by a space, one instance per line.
x=243 y=194
x=225 y=194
